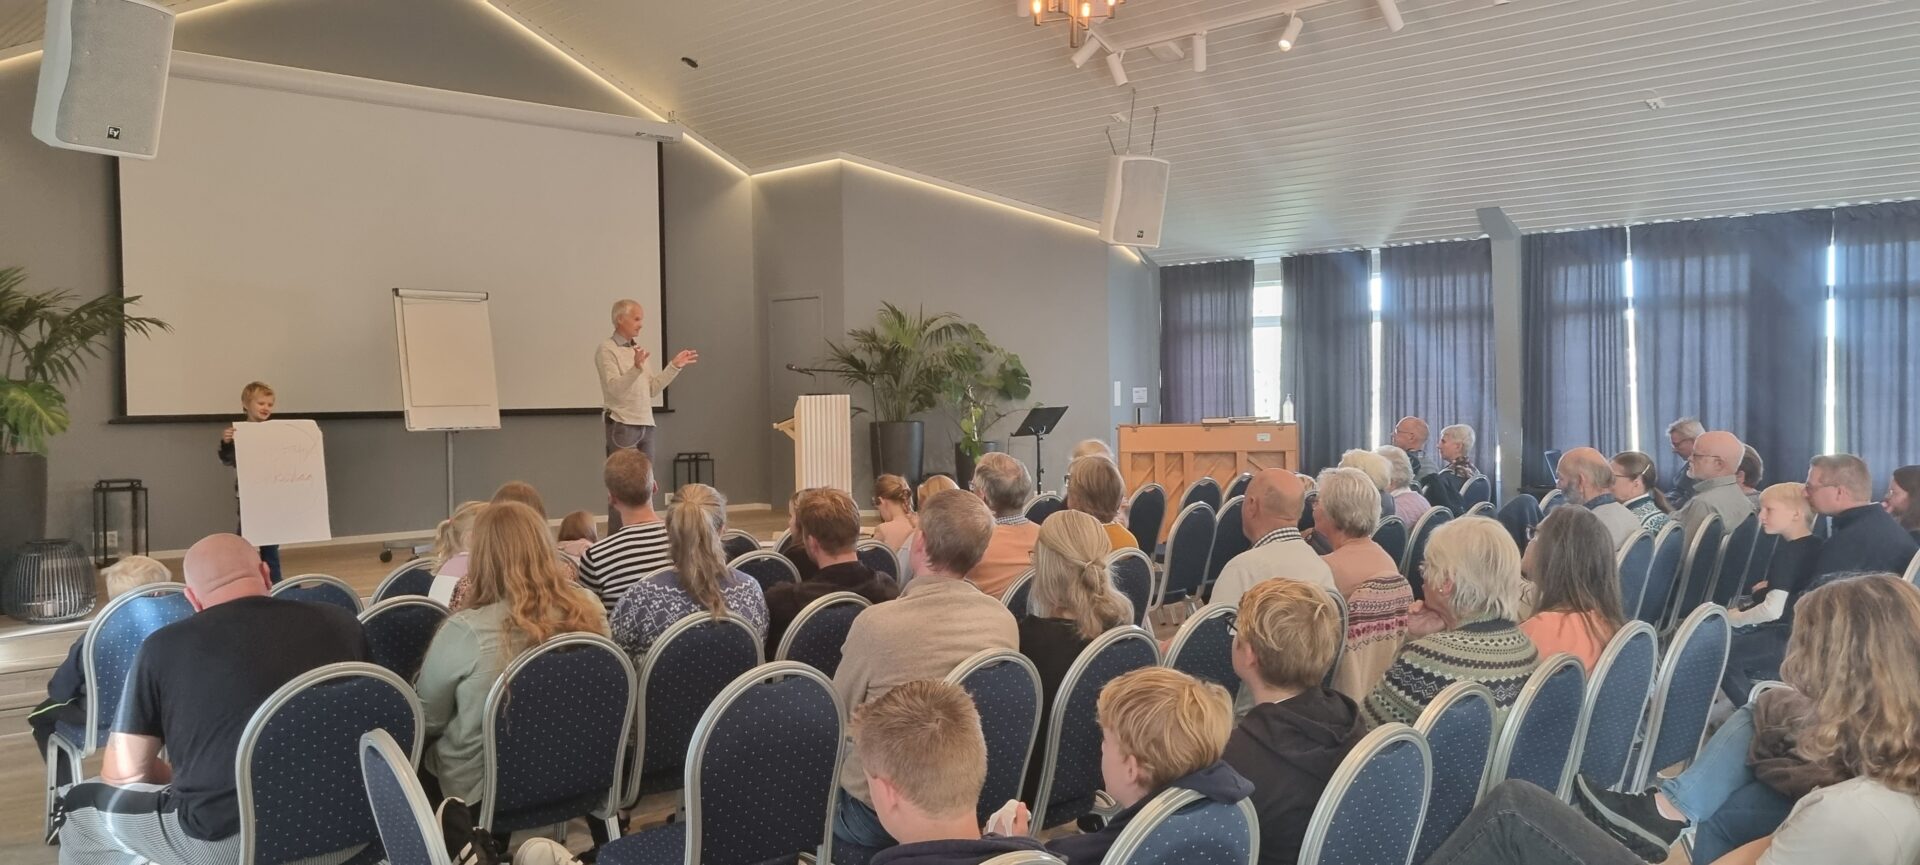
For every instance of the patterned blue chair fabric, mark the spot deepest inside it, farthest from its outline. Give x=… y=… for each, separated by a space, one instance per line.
x=1520 y=515
x=1204 y=489
x=1669 y=549
x=1239 y=486
x=412 y=578
x=1017 y=594
x=1006 y=690
x=692 y=662
x=819 y=631
x=1373 y=806
x=556 y=730
x=1391 y=535
x=1683 y=691
x=1634 y=563
x=760 y=777
x=1414 y=565
x=1543 y=728
x=319 y=589
x=878 y=558
x=1480 y=509
x=1181 y=827
x=1146 y=510
x=1738 y=552
x=767 y=567
x=1070 y=773
x=408 y=830
x=1229 y=540
x=1478 y=489
x=301 y=792
x=1188 y=546
x=1553 y=499
x=1616 y=700
x=1459 y=728
x=1043 y=506
x=737 y=542
x=1697 y=572
x=1203 y=648
x=1133 y=575
x=399 y=630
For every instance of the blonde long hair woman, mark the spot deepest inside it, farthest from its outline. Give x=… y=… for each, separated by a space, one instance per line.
x=699 y=580
x=1072 y=601
x=519 y=596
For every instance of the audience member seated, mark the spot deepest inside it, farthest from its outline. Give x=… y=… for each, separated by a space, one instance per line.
x=193 y=687
x=577 y=532
x=1073 y=601
x=1636 y=485
x=618 y=561
x=1683 y=434
x=1587 y=480
x=924 y=760
x=1761 y=627
x=894 y=499
x=1160 y=729
x=1465 y=629
x=1865 y=537
x=524 y=493
x=827 y=524
x=67 y=690
x=521 y=596
x=1377 y=470
x=1408 y=503
x=938 y=622
x=1410 y=435
x=1091 y=448
x=698 y=581
x=1003 y=483
x=1576 y=586
x=1272 y=508
x=1903 y=499
x=1297 y=732
x=1378 y=597
x=1751 y=474
x=1826 y=772
x=1716 y=456
x=451 y=542
x=1094 y=487
x=913 y=553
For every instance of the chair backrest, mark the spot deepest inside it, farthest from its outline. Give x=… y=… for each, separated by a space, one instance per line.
x=1203 y=647
x=1391 y=535
x=1759 y=688
x=1480 y=509
x=1239 y=485
x=297 y=771
x=1146 y=510
x=412 y=578
x=1633 y=562
x=1413 y=564
x=1764 y=546
x=408 y=831
x=1683 y=691
x=1553 y=499
x=1736 y=551
x=692 y=662
x=1229 y=540
x=769 y=568
x=1203 y=489
x=1477 y=490
x=763 y=766
x=319 y=589
x=555 y=733
x=1133 y=574
x=1616 y=701
x=1025 y=857
x=1541 y=738
x=1188 y=546
x=1182 y=827
x=878 y=557
x=1913 y=570
x=1696 y=571
x=1346 y=632
x=112 y=640
x=1070 y=771
x=780 y=541
x=1373 y=806
x=1042 y=506
x=1669 y=550
x=739 y=542
x=1459 y=728
x=1520 y=513
x=399 y=629
x=1005 y=688
x=1017 y=592
x=820 y=630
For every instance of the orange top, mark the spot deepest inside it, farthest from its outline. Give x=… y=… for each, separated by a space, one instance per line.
x=1009 y=555
x=1121 y=538
x=1567 y=632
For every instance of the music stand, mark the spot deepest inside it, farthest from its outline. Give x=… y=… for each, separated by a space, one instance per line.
x=1038 y=423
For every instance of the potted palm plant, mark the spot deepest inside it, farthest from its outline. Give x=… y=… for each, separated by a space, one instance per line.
x=983 y=382
x=902 y=362
x=46 y=340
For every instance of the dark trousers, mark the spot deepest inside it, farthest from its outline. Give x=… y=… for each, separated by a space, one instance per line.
x=621 y=436
x=1754 y=656
x=271 y=555
x=1518 y=823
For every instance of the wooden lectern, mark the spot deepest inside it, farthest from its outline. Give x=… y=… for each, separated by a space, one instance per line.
x=1175 y=455
x=822 y=433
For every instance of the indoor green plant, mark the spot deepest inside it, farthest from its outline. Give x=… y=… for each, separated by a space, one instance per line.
x=902 y=362
x=983 y=382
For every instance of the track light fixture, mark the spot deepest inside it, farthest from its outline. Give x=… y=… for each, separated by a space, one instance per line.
x=1391 y=10
x=1117 y=68
x=1200 y=51
x=1291 y=35
x=1091 y=47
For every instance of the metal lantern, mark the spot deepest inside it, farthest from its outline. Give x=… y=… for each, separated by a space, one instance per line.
x=50 y=581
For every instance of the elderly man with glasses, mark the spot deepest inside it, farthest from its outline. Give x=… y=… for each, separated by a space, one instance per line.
x=1713 y=464
x=1683 y=434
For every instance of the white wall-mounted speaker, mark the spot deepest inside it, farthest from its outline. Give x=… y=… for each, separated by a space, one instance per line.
x=1136 y=201
x=103 y=76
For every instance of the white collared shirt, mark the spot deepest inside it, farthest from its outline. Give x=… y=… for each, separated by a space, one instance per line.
x=627 y=392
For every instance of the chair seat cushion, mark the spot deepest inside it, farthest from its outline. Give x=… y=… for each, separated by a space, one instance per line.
x=664 y=845
x=74 y=734
x=848 y=853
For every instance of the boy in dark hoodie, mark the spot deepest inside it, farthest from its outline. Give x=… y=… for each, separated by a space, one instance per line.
x=1159 y=728
x=925 y=760
x=1297 y=732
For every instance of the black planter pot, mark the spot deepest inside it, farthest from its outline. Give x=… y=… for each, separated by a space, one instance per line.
x=963 y=462
x=23 y=502
x=898 y=448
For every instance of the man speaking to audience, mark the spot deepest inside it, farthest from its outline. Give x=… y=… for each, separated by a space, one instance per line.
x=629 y=380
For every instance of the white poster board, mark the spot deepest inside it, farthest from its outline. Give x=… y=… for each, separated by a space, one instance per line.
x=446 y=360
x=282 y=468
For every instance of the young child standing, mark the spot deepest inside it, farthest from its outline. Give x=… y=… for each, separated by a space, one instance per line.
x=256 y=399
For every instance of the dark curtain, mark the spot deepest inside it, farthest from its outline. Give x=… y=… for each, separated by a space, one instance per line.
x=1729 y=326
x=1206 y=340
x=1437 y=356
x=1574 y=303
x=1329 y=356
x=1876 y=293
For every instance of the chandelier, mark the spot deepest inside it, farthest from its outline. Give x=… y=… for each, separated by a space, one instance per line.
x=1079 y=15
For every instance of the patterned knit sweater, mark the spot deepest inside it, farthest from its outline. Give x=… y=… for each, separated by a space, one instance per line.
x=1490 y=651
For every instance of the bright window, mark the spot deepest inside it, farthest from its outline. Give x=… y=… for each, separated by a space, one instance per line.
x=1268 y=348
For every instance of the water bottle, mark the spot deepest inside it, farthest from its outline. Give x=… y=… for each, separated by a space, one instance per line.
x=1286 y=410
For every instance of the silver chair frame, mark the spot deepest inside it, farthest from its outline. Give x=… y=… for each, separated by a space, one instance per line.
x=989 y=657
x=1509 y=738
x=1338 y=786
x=807 y=612
x=305 y=580
x=1603 y=676
x=490 y=797
x=382 y=744
x=379 y=591
x=1663 y=684
x=1158 y=810
x=1058 y=717
x=637 y=740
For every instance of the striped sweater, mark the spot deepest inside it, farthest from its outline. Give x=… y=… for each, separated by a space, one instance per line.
x=1490 y=651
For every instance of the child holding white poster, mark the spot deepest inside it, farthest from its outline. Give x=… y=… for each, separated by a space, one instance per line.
x=256 y=399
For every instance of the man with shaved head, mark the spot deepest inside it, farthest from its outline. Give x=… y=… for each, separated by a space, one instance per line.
x=1587 y=479
x=1270 y=517
x=1714 y=460
x=1410 y=435
x=193 y=687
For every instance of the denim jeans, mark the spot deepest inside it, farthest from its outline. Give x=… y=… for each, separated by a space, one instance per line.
x=1517 y=823
x=855 y=823
x=1719 y=795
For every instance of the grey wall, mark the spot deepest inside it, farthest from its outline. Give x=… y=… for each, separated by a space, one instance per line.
x=60 y=223
x=1133 y=335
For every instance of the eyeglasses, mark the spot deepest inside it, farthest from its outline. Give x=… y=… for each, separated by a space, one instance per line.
x=1700 y=457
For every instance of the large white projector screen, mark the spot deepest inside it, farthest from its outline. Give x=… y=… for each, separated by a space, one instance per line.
x=287 y=205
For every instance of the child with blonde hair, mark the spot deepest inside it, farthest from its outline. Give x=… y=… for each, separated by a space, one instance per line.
x=67 y=690
x=257 y=401
x=1761 y=626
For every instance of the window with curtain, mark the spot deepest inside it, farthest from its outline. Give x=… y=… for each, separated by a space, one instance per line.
x=1269 y=347
x=1876 y=294
x=1206 y=340
x=1328 y=360
x=1574 y=380
x=1437 y=352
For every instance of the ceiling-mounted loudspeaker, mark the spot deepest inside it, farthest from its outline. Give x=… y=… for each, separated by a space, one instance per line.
x=1136 y=201
x=103 y=76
